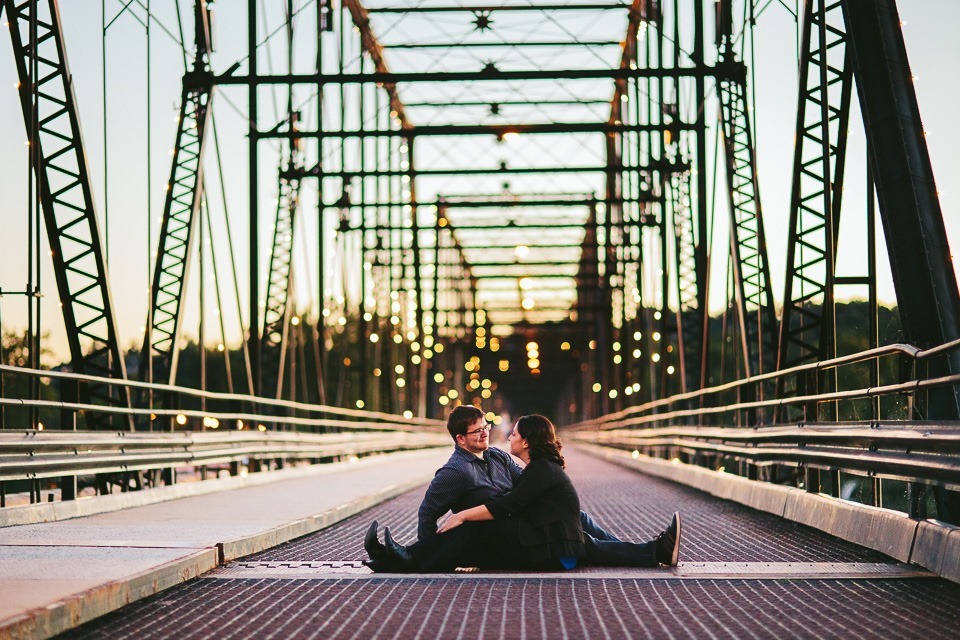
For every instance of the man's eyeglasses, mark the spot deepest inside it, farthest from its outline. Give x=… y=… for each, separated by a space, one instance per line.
x=476 y=432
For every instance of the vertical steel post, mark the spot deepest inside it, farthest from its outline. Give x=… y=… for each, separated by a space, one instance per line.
x=700 y=213
x=254 y=196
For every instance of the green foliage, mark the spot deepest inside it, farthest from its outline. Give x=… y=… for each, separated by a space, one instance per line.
x=15 y=349
x=15 y=352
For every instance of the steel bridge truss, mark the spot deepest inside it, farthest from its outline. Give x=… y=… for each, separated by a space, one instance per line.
x=58 y=160
x=751 y=272
x=651 y=207
x=926 y=285
x=502 y=190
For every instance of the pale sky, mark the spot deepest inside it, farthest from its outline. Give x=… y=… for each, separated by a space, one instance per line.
x=934 y=50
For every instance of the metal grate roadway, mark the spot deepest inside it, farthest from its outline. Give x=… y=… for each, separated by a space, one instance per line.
x=314 y=588
x=545 y=608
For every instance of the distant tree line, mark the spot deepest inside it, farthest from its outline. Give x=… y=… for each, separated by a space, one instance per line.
x=343 y=373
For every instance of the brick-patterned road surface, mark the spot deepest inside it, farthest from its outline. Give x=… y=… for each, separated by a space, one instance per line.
x=730 y=583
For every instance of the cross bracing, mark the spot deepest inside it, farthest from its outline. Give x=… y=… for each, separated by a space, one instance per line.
x=474 y=171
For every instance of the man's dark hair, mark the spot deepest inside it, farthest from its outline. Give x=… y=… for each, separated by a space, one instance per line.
x=461 y=418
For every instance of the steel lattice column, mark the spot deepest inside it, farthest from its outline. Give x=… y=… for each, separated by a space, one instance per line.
x=181 y=213
x=807 y=329
x=279 y=295
x=690 y=313
x=59 y=161
x=747 y=244
x=276 y=318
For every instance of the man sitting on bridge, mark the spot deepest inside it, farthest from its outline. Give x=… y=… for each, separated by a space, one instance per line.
x=474 y=474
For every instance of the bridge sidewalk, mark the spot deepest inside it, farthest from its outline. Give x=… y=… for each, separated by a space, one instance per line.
x=56 y=575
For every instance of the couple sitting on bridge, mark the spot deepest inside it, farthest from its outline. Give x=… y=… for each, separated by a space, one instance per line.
x=505 y=517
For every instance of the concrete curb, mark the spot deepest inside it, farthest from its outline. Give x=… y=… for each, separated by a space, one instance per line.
x=937 y=547
x=57 y=511
x=68 y=613
x=82 y=607
x=929 y=544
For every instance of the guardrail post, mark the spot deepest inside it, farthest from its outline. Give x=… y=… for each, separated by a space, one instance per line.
x=68 y=487
x=69 y=394
x=877 y=492
x=948 y=505
x=811 y=480
x=748 y=393
x=917 y=500
x=169 y=476
x=908 y=368
x=835 y=488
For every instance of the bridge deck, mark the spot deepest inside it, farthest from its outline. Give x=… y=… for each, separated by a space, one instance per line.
x=743 y=574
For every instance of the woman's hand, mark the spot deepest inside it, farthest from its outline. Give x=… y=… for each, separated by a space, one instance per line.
x=454 y=521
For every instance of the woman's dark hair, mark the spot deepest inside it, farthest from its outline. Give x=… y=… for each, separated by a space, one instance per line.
x=541 y=435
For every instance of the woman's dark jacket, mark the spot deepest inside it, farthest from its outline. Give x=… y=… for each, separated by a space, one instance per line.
x=548 y=510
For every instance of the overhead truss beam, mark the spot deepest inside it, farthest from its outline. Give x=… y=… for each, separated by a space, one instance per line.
x=496 y=75
x=499 y=130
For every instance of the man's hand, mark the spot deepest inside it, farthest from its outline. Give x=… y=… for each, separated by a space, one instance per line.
x=455 y=520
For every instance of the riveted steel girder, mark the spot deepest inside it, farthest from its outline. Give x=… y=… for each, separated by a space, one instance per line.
x=466 y=76
x=916 y=238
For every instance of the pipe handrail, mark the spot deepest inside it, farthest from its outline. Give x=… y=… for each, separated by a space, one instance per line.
x=851 y=394
x=33 y=454
x=863 y=393
x=395 y=423
x=861 y=356
x=208 y=395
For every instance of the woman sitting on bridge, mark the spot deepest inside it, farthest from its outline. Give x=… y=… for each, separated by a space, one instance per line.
x=535 y=527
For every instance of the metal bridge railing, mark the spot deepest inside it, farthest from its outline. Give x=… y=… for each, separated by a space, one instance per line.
x=837 y=440
x=244 y=433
